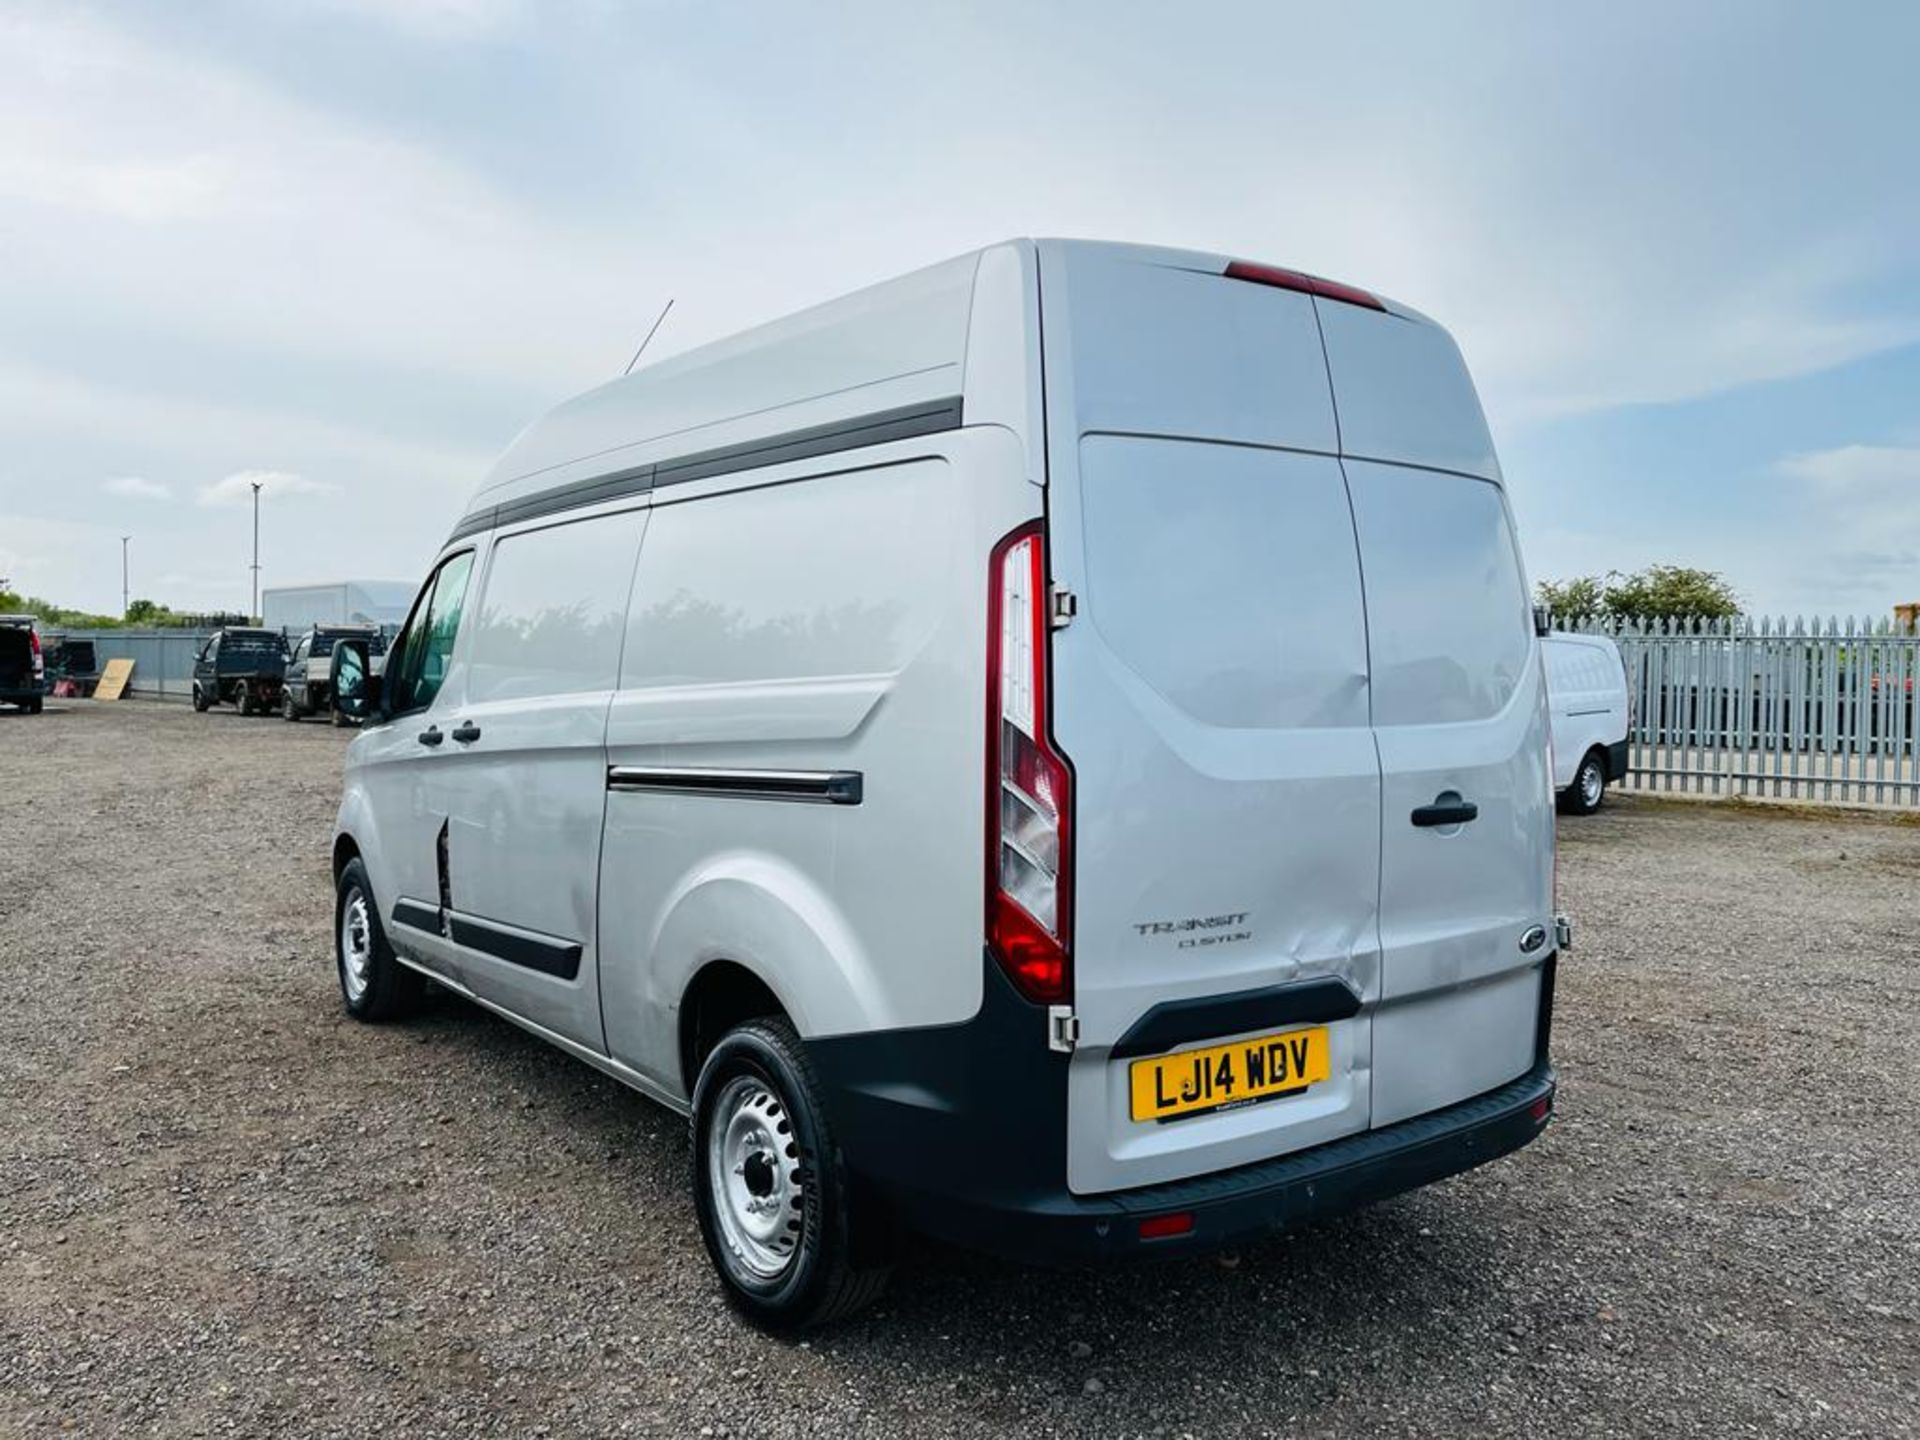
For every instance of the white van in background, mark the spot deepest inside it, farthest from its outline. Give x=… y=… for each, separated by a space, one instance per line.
x=1587 y=690
x=1049 y=751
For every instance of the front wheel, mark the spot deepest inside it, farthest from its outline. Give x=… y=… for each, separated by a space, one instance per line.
x=374 y=985
x=288 y=710
x=774 y=1201
x=1589 y=786
x=199 y=701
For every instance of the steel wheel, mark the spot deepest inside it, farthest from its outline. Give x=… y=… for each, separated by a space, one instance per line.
x=1592 y=784
x=754 y=1170
x=356 y=945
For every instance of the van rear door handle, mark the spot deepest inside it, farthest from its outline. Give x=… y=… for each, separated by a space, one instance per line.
x=430 y=736
x=466 y=733
x=1447 y=809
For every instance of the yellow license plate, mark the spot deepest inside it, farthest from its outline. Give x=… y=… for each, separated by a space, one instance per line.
x=1222 y=1075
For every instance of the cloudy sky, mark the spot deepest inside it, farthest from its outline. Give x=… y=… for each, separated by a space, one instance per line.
x=350 y=247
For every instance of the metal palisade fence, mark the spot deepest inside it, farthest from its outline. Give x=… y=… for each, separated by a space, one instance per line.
x=1817 y=710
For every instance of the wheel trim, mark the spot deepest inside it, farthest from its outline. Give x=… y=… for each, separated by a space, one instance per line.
x=356 y=945
x=755 y=1177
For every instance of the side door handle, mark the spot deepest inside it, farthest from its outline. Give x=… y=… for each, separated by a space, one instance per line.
x=466 y=732
x=430 y=736
x=1446 y=809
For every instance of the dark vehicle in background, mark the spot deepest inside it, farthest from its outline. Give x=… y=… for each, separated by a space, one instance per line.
x=308 y=687
x=72 y=666
x=240 y=667
x=23 y=669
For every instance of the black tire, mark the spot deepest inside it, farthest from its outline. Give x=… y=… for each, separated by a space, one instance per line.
x=1589 y=785
x=392 y=991
x=199 y=701
x=820 y=1281
x=288 y=710
x=33 y=706
x=243 y=700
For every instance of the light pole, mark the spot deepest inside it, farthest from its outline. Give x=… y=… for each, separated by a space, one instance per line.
x=126 y=602
x=254 y=613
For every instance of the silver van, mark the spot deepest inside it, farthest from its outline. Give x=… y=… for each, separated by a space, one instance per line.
x=1049 y=752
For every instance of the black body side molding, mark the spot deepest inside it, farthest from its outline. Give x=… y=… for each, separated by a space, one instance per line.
x=828 y=787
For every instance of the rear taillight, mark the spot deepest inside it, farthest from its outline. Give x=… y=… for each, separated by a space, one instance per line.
x=1029 y=854
x=1306 y=284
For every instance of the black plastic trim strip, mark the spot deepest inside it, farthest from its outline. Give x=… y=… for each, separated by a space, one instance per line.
x=821 y=787
x=416 y=916
x=1208 y=1017
x=559 y=958
x=875 y=428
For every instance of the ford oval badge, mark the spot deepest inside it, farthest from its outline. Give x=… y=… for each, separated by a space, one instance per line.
x=1533 y=939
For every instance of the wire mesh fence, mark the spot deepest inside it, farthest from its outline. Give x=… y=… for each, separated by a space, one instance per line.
x=1788 y=709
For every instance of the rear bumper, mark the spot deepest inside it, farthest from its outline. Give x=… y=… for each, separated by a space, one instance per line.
x=1237 y=1207
x=14 y=693
x=963 y=1130
x=1616 y=762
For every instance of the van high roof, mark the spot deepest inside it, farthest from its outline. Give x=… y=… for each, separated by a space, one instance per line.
x=899 y=358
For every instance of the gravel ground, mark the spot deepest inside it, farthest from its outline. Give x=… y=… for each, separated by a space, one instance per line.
x=224 y=1208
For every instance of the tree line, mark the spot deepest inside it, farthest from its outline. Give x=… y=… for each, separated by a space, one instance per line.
x=1659 y=592
x=141 y=614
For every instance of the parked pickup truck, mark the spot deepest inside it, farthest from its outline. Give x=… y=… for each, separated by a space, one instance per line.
x=308 y=689
x=243 y=668
x=22 y=667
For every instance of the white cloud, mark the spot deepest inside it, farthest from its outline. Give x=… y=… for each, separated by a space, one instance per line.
x=237 y=488
x=1878 y=472
x=431 y=19
x=137 y=487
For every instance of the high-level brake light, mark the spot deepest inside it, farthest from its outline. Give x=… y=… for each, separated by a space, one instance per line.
x=1029 y=854
x=1306 y=284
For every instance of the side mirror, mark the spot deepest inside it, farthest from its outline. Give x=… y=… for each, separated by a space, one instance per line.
x=350 y=679
x=1542 y=621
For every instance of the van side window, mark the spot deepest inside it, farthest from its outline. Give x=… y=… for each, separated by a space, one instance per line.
x=421 y=664
x=551 y=616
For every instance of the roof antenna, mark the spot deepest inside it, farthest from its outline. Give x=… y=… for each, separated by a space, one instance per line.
x=649 y=340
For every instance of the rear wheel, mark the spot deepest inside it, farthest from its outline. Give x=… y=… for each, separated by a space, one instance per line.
x=1589 y=786
x=33 y=706
x=243 y=700
x=374 y=985
x=774 y=1201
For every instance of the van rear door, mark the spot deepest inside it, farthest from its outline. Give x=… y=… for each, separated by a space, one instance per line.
x=1459 y=712
x=1211 y=697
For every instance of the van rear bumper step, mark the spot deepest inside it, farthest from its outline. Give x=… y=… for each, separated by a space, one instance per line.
x=1255 y=1201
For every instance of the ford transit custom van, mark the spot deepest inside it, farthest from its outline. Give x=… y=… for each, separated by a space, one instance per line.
x=1049 y=752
